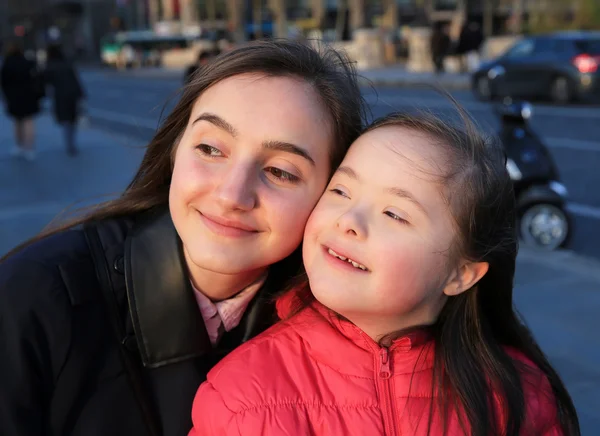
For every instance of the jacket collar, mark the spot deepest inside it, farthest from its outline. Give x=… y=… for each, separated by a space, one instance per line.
x=336 y=342
x=168 y=324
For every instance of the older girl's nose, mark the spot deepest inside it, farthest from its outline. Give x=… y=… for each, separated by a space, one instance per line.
x=236 y=190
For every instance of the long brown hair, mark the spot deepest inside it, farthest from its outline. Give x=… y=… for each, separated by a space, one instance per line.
x=331 y=74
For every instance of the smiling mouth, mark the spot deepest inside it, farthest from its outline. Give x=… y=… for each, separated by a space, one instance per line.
x=347 y=259
x=228 y=228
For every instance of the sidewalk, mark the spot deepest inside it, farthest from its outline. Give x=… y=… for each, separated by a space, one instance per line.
x=395 y=75
x=32 y=193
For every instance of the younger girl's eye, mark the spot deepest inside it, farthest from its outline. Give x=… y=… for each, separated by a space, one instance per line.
x=209 y=150
x=395 y=217
x=282 y=176
x=338 y=191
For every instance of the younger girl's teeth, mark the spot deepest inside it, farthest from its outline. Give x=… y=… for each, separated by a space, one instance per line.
x=354 y=264
x=334 y=254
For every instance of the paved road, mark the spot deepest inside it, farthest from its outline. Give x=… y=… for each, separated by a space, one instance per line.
x=557 y=293
x=131 y=103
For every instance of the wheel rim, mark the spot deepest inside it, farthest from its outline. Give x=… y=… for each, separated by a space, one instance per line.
x=483 y=87
x=561 y=91
x=544 y=226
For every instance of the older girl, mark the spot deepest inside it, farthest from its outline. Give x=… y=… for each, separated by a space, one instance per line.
x=108 y=325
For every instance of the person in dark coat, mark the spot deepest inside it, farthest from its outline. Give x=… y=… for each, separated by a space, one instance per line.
x=109 y=323
x=22 y=89
x=440 y=45
x=469 y=44
x=67 y=93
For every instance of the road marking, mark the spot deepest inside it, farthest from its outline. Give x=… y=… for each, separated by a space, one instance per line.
x=561 y=260
x=573 y=144
x=474 y=106
x=584 y=210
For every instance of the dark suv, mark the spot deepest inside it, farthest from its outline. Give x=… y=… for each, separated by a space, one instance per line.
x=560 y=66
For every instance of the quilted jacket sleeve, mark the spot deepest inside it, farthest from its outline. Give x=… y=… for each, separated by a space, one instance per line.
x=210 y=414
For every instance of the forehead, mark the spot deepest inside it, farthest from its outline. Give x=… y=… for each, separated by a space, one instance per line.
x=401 y=151
x=257 y=94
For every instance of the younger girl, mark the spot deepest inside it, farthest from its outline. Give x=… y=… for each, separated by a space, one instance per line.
x=407 y=326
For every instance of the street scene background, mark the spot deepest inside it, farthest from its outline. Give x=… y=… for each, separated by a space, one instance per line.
x=558 y=292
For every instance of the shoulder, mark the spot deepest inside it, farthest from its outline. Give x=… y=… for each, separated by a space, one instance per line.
x=540 y=401
x=40 y=273
x=258 y=371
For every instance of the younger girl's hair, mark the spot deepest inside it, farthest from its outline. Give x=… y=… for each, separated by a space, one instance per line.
x=475 y=328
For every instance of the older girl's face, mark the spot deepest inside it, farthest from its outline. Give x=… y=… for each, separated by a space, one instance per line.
x=249 y=168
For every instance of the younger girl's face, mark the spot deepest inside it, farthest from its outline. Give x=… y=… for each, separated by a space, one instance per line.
x=384 y=211
x=248 y=171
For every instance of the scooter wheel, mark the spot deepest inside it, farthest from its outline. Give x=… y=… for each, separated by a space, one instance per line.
x=544 y=226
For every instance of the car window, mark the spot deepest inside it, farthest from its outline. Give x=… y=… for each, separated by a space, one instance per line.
x=564 y=46
x=554 y=47
x=521 y=49
x=590 y=46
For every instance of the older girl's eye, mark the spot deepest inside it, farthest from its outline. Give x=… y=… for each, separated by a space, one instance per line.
x=209 y=150
x=281 y=175
x=395 y=217
x=338 y=191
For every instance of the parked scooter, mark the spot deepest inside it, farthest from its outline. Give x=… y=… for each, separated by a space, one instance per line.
x=541 y=197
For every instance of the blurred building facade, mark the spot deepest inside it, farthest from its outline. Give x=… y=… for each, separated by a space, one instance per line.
x=77 y=24
x=81 y=23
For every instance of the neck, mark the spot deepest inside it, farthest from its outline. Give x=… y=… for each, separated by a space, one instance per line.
x=381 y=327
x=218 y=286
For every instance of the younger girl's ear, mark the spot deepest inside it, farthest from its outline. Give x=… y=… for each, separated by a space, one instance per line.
x=465 y=277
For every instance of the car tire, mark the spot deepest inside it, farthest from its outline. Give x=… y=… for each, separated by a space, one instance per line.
x=561 y=91
x=483 y=88
x=544 y=227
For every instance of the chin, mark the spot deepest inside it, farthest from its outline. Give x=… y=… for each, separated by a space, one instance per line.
x=221 y=263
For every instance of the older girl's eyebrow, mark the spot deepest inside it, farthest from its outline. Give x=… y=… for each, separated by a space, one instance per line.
x=283 y=146
x=218 y=122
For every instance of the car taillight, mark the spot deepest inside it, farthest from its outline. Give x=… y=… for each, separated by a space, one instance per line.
x=586 y=63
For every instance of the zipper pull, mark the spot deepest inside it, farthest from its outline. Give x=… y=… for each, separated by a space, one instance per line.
x=384 y=369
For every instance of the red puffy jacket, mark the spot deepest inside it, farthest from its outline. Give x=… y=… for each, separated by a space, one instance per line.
x=316 y=374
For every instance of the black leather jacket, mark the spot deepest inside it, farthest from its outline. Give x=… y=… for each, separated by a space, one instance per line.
x=76 y=362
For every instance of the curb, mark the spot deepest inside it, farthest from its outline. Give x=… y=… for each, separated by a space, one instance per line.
x=411 y=82
x=400 y=81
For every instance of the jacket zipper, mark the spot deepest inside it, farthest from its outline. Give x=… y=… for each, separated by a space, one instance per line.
x=387 y=400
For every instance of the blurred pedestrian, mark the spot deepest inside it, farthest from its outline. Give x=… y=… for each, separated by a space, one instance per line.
x=469 y=44
x=440 y=45
x=67 y=94
x=22 y=89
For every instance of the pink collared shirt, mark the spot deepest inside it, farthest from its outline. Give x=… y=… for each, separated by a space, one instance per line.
x=227 y=312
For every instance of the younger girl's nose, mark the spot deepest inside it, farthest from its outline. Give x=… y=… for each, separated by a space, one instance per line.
x=353 y=223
